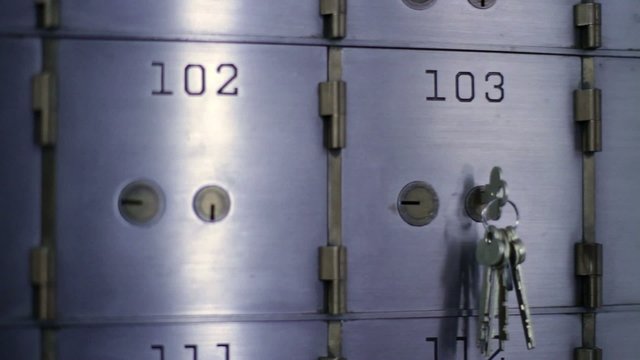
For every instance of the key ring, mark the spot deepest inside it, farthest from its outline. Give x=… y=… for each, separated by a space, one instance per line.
x=485 y=221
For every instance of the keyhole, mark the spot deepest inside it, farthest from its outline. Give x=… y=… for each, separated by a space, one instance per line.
x=419 y=4
x=482 y=4
x=418 y=203
x=141 y=203
x=212 y=204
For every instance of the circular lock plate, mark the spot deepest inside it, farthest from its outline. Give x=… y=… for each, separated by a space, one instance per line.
x=482 y=4
x=418 y=203
x=141 y=203
x=419 y=4
x=212 y=204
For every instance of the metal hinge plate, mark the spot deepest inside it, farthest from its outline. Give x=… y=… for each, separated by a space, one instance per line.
x=334 y=337
x=334 y=13
x=40 y=266
x=42 y=279
x=588 y=19
x=588 y=354
x=588 y=110
x=333 y=97
x=44 y=105
x=48 y=12
x=589 y=269
x=333 y=271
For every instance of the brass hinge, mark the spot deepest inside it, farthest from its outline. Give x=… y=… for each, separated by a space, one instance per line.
x=42 y=279
x=48 y=12
x=588 y=354
x=588 y=108
x=48 y=344
x=334 y=14
x=589 y=269
x=333 y=97
x=44 y=105
x=588 y=111
x=588 y=253
x=333 y=272
x=589 y=350
x=334 y=335
x=588 y=19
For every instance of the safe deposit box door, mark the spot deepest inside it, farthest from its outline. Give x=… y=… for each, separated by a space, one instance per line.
x=20 y=183
x=447 y=118
x=621 y=24
x=191 y=179
x=546 y=23
x=618 y=332
x=282 y=18
x=240 y=341
x=455 y=339
x=17 y=15
x=20 y=343
x=618 y=220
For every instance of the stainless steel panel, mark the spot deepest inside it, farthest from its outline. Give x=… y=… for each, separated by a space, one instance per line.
x=20 y=180
x=396 y=136
x=17 y=15
x=621 y=24
x=556 y=337
x=247 y=341
x=263 y=146
x=20 y=343
x=546 y=23
x=618 y=335
x=618 y=176
x=283 y=18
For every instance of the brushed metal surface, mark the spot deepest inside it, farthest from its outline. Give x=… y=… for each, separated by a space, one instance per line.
x=556 y=337
x=17 y=15
x=618 y=335
x=546 y=23
x=246 y=341
x=620 y=24
x=395 y=137
x=264 y=147
x=20 y=179
x=617 y=179
x=21 y=343
x=290 y=18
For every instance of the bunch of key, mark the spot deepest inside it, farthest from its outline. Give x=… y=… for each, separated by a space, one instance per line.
x=501 y=252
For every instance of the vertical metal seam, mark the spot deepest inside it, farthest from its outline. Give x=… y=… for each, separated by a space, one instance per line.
x=334 y=222
x=589 y=350
x=48 y=294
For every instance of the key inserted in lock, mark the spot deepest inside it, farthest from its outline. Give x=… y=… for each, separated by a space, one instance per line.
x=484 y=195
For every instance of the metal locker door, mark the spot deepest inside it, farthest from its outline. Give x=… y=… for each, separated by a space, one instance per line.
x=620 y=25
x=446 y=118
x=146 y=129
x=180 y=19
x=458 y=24
x=20 y=183
x=617 y=219
x=455 y=339
x=618 y=331
x=17 y=15
x=463 y=24
x=21 y=342
x=215 y=341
